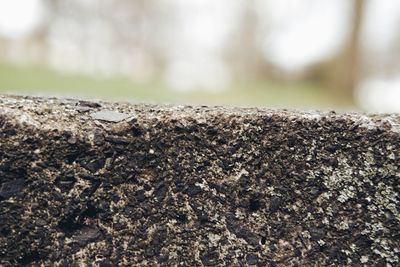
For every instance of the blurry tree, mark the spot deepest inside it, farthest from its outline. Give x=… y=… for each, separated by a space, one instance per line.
x=343 y=72
x=351 y=67
x=244 y=50
x=39 y=37
x=392 y=67
x=138 y=26
x=116 y=36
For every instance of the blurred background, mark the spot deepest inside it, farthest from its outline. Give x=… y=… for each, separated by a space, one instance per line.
x=342 y=54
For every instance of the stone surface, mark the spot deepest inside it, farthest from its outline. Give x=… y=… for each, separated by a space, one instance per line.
x=192 y=186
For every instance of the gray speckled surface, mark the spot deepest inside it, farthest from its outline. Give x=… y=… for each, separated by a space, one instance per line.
x=193 y=186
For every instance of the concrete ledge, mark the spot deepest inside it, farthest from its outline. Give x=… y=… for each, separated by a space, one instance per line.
x=112 y=183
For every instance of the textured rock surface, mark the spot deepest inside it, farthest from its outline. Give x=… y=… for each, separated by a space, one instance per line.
x=193 y=186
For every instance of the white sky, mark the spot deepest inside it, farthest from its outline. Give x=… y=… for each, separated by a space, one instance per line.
x=382 y=23
x=19 y=17
x=304 y=31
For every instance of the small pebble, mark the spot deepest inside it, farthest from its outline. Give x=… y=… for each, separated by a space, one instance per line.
x=109 y=115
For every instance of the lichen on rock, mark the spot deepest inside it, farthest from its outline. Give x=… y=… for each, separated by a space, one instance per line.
x=85 y=182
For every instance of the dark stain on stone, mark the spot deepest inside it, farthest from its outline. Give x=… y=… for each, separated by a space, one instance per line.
x=11 y=188
x=317 y=233
x=29 y=257
x=105 y=263
x=140 y=195
x=240 y=230
x=86 y=235
x=193 y=190
x=275 y=204
x=90 y=104
x=136 y=131
x=66 y=182
x=252 y=259
x=118 y=140
x=210 y=258
x=98 y=137
x=254 y=205
x=161 y=192
x=95 y=164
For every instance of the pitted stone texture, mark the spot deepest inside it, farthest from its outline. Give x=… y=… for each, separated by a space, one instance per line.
x=192 y=186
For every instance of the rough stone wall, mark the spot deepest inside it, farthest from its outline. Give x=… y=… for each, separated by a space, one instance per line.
x=134 y=185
